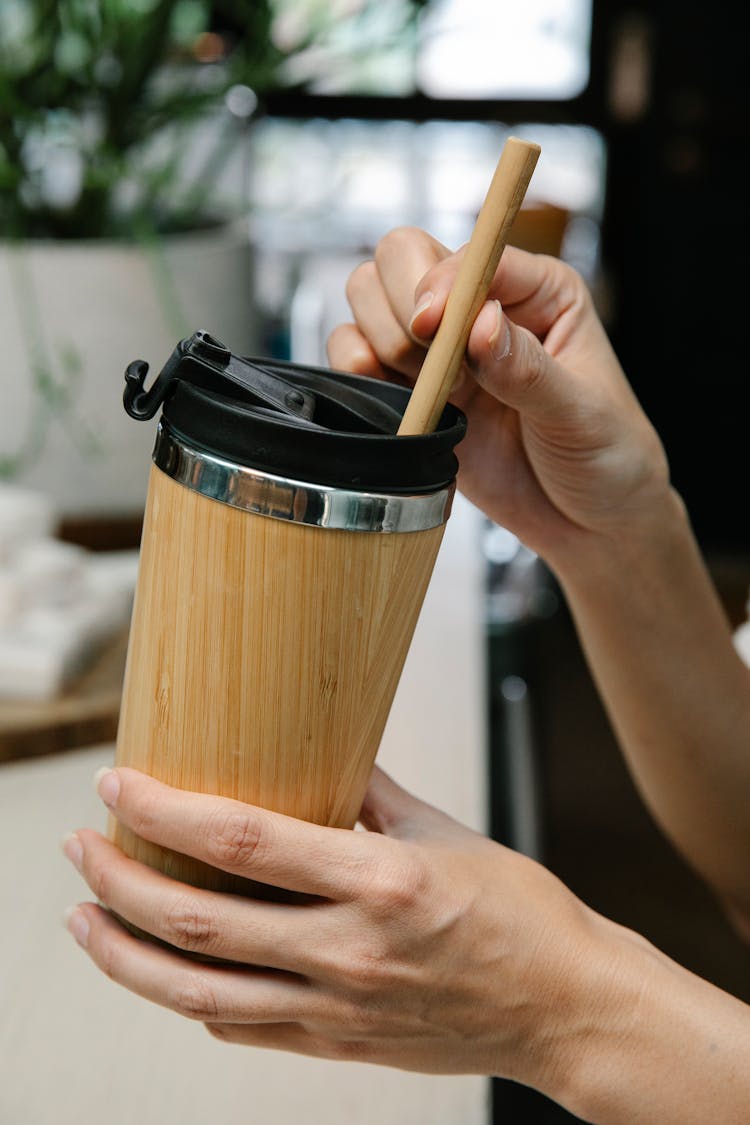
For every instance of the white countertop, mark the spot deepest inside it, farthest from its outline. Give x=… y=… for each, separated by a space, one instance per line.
x=76 y=1049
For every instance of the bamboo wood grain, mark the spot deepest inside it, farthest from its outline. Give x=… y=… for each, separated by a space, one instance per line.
x=263 y=660
x=489 y=237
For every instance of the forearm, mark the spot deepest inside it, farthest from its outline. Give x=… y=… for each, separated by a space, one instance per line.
x=660 y=650
x=655 y=1043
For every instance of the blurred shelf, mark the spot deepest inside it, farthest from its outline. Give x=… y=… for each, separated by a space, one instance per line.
x=103 y=533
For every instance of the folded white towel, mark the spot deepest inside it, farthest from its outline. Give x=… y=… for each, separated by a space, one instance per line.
x=24 y=516
x=59 y=603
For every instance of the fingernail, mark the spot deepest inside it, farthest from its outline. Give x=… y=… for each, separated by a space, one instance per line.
x=424 y=303
x=107 y=785
x=76 y=922
x=499 y=341
x=73 y=849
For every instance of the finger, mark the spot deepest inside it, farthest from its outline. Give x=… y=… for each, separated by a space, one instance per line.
x=229 y=927
x=197 y=991
x=392 y=811
x=241 y=839
x=511 y=364
x=402 y=258
x=274 y=1036
x=348 y=350
x=297 y=1040
x=376 y=321
x=535 y=290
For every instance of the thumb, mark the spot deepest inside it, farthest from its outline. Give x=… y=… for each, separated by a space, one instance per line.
x=511 y=364
x=392 y=811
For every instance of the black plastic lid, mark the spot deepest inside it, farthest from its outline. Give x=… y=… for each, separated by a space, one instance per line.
x=304 y=423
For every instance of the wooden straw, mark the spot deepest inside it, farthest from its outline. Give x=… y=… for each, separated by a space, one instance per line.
x=489 y=237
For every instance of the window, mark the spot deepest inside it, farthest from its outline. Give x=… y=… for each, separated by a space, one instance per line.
x=503 y=49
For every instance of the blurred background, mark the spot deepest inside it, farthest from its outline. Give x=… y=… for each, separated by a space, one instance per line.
x=169 y=165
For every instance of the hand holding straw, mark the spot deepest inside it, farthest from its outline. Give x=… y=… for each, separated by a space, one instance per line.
x=488 y=240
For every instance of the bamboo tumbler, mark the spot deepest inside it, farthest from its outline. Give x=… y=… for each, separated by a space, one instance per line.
x=288 y=542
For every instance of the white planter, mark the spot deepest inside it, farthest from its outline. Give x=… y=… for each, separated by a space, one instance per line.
x=73 y=315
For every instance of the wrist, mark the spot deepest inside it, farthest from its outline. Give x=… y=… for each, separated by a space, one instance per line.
x=593 y=1060
x=655 y=532
x=649 y=1041
x=594 y=1015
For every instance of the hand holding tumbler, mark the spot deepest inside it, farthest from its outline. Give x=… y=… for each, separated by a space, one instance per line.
x=292 y=523
x=288 y=542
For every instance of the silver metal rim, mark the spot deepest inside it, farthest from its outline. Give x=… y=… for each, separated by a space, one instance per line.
x=315 y=505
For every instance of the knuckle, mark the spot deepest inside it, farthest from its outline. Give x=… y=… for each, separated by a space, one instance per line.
x=191 y=925
x=533 y=366
x=536 y=367
x=142 y=819
x=398 y=888
x=367 y=974
x=415 y=882
x=337 y=341
x=564 y=288
x=347 y=350
x=360 y=281
x=345 y=1050
x=194 y=999
x=396 y=241
x=236 y=839
x=397 y=350
x=222 y=1031
x=101 y=882
x=109 y=961
x=571 y=279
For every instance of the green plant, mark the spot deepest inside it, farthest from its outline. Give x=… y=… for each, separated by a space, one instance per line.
x=100 y=100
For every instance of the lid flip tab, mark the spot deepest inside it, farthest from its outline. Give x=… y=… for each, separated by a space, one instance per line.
x=206 y=362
